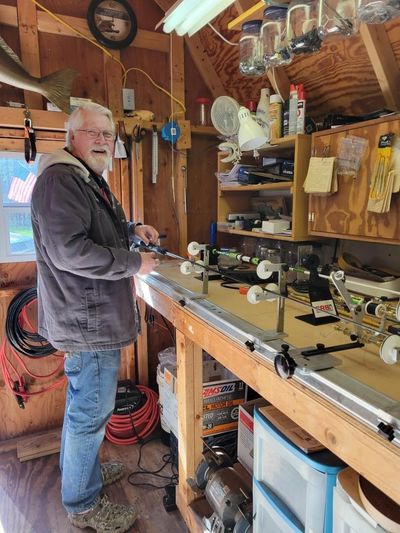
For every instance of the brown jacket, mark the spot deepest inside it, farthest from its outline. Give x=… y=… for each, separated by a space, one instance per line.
x=85 y=268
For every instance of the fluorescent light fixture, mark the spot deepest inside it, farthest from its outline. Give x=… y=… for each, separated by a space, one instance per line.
x=189 y=16
x=251 y=135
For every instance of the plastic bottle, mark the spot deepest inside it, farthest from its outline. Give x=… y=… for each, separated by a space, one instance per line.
x=301 y=109
x=275 y=116
x=262 y=113
x=293 y=109
x=204 y=107
x=252 y=107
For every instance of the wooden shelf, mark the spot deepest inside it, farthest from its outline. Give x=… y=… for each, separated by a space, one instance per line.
x=12 y=117
x=204 y=130
x=231 y=201
x=282 y=185
x=276 y=236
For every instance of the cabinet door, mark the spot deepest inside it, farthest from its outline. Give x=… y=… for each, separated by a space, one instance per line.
x=345 y=213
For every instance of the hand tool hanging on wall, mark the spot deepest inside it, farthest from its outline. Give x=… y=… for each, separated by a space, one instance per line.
x=382 y=181
x=29 y=138
x=138 y=134
x=154 y=155
x=120 y=151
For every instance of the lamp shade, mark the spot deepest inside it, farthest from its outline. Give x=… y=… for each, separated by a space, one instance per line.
x=251 y=135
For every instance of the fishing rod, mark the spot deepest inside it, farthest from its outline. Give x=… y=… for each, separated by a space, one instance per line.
x=358 y=306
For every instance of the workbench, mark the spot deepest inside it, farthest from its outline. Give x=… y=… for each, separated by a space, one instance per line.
x=340 y=407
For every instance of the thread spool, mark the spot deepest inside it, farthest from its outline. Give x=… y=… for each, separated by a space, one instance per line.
x=375 y=309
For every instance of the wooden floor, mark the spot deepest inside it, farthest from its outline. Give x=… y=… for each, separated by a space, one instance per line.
x=30 y=493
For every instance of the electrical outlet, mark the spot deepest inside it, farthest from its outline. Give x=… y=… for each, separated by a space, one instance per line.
x=128 y=99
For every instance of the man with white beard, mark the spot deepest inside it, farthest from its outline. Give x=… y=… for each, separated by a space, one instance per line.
x=86 y=304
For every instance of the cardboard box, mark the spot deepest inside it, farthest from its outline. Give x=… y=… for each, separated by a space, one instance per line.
x=275 y=226
x=222 y=394
x=246 y=432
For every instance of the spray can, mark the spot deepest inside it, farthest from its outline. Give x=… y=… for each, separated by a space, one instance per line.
x=262 y=113
x=293 y=109
x=285 y=122
x=275 y=116
x=301 y=109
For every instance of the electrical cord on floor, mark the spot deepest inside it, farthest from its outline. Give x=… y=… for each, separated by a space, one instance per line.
x=166 y=459
x=133 y=427
x=25 y=341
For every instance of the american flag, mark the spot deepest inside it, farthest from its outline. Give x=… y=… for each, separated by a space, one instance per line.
x=21 y=190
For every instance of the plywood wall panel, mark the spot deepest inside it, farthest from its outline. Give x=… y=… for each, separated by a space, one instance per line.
x=156 y=65
x=42 y=411
x=202 y=187
x=159 y=207
x=338 y=79
x=82 y=56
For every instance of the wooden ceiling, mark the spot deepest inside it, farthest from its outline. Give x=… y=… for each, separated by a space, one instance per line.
x=351 y=76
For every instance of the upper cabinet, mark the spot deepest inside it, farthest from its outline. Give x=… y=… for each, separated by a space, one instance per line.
x=345 y=214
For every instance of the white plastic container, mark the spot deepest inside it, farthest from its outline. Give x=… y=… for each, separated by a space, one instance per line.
x=268 y=514
x=347 y=519
x=300 y=484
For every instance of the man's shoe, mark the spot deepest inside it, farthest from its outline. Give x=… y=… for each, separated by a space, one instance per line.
x=111 y=472
x=106 y=517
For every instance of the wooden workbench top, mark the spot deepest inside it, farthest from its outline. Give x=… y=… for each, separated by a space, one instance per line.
x=363 y=364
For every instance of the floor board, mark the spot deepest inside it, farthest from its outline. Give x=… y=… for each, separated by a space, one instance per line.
x=30 y=493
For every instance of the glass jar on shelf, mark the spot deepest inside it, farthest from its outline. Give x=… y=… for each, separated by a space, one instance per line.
x=337 y=17
x=273 y=255
x=378 y=11
x=302 y=27
x=250 y=49
x=273 y=36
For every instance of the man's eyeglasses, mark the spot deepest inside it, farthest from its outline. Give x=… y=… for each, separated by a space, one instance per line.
x=94 y=134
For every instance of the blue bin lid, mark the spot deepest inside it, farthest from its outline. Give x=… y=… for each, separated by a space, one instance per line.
x=323 y=461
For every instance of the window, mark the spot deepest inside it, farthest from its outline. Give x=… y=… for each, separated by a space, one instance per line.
x=17 y=179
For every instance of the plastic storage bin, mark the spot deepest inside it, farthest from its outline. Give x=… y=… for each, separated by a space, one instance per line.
x=300 y=486
x=346 y=518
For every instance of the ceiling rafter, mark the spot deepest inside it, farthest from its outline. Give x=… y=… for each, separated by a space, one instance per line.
x=383 y=62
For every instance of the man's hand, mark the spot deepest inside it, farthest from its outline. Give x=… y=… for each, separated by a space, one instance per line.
x=146 y=233
x=149 y=262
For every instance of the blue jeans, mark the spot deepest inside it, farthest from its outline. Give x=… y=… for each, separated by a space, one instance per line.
x=92 y=384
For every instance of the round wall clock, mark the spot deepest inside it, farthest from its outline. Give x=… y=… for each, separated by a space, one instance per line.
x=112 y=22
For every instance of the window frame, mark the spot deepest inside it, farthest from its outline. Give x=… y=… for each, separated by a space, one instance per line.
x=12 y=141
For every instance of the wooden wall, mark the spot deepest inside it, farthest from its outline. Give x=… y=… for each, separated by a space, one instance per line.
x=100 y=79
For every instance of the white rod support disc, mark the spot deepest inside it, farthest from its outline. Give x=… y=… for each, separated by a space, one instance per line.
x=263 y=271
x=186 y=268
x=255 y=294
x=193 y=248
x=198 y=266
x=390 y=349
x=274 y=288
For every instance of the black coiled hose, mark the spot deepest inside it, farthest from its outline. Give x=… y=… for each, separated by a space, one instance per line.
x=25 y=342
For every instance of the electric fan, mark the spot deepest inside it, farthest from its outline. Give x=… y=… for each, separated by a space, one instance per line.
x=224 y=116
